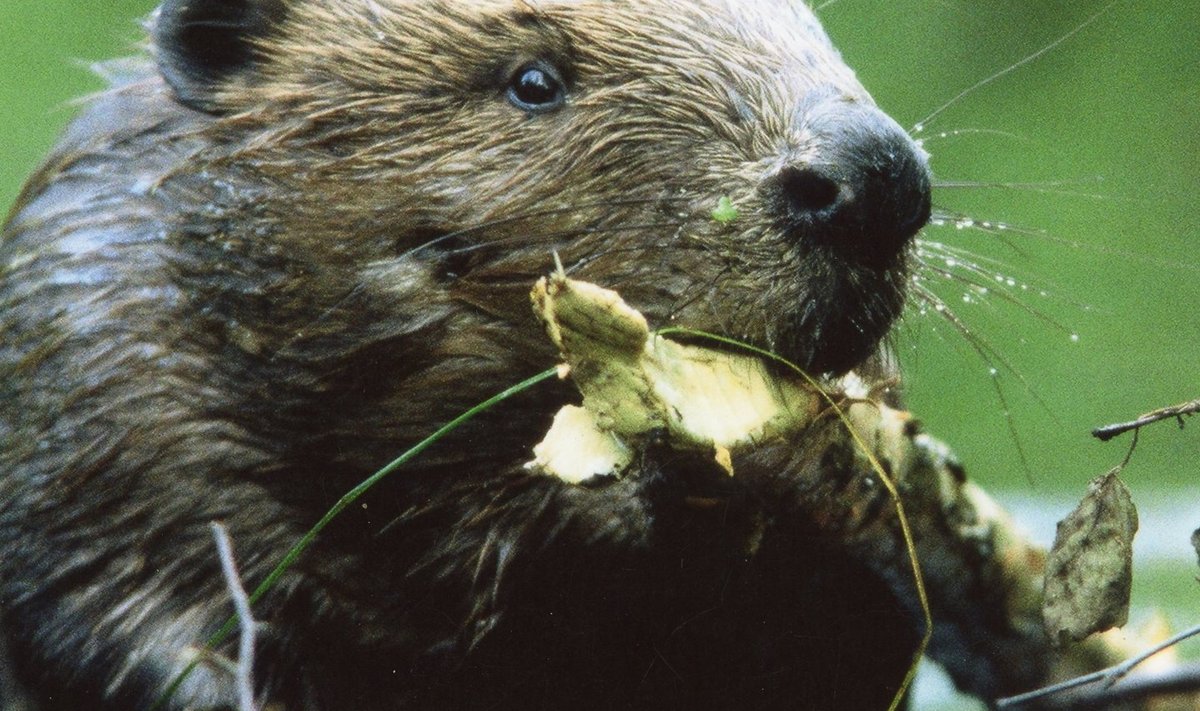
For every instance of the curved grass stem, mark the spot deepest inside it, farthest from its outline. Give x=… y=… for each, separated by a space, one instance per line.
x=347 y=499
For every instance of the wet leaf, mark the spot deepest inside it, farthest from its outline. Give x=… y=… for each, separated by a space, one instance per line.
x=1089 y=570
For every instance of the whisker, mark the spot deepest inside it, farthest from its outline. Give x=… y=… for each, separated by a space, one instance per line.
x=983 y=286
x=991 y=356
x=944 y=217
x=948 y=217
x=923 y=123
x=665 y=248
x=1001 y=231
x=947 y=250
x=547 y=212
x=575 y=232
x=957 y=132
x=824 y=5
x=995 y=361
x=1043 y=188
x=346 y=298
x=1001 y=277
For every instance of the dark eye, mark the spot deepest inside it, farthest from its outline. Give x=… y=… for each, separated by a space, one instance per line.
x=536 y=88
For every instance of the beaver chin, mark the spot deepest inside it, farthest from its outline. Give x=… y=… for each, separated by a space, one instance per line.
x=825 y=315
x=839 y=325
x=833 y=348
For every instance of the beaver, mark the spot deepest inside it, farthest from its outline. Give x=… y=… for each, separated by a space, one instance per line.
x=300 y=235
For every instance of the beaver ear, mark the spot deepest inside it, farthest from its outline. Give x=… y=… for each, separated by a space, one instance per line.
x=201 y=43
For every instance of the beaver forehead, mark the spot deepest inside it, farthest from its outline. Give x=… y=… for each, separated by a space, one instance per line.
x=765 y=42
x=764 y=25
x=754 y=46
x=767 y=32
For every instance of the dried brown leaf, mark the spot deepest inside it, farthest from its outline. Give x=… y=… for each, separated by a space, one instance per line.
x=1089 y=570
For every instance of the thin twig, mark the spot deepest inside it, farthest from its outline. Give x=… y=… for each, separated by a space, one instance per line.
x=1109 y=676
x=241 y=603
x=1142 y=686
x=1167 y=413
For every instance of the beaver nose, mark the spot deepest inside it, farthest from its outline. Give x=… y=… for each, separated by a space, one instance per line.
x=860 y=189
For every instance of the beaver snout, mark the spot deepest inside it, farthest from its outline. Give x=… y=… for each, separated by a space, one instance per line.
x=858 y=187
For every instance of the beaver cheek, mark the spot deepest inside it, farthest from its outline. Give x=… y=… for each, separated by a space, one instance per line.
x=851 y=199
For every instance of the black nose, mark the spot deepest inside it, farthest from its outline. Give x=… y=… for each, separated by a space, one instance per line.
x=859 y=187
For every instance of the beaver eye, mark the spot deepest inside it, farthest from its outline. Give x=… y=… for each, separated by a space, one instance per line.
x=536 y=88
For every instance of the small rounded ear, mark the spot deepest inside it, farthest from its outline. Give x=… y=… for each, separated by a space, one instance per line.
x=201 y=43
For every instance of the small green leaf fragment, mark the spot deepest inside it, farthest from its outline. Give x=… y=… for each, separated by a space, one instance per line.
x=724 y=213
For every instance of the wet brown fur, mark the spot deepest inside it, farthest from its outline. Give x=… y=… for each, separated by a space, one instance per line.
x=237 y=315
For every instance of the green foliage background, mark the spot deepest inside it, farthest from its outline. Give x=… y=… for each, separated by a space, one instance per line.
x=1100 y=161
x=1103 y=164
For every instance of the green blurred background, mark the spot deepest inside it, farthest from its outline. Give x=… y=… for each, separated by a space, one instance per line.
x=1090 y=152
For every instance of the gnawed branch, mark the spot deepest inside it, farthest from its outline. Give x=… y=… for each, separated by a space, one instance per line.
x=983 y=574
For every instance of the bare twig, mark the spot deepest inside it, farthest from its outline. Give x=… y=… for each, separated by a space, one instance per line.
x=241 y=603
x=1177 y=413
x=1109 y=676
x=1141 y=686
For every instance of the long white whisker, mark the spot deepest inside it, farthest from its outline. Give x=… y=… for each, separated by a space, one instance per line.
x=924 y=123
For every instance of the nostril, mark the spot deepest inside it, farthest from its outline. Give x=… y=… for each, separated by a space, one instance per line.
x=862 y=190
x=807 y=191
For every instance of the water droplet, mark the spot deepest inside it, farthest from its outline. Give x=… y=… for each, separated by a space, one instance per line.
x=993 y=372
x=1074 y=338
x=951 y=262
x=939 y=308
x=918 y=128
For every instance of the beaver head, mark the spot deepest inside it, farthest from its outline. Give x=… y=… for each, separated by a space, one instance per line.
x=371 y=187
x=439 y=155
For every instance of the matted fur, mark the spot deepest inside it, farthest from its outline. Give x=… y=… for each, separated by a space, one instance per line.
x=235 y=314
